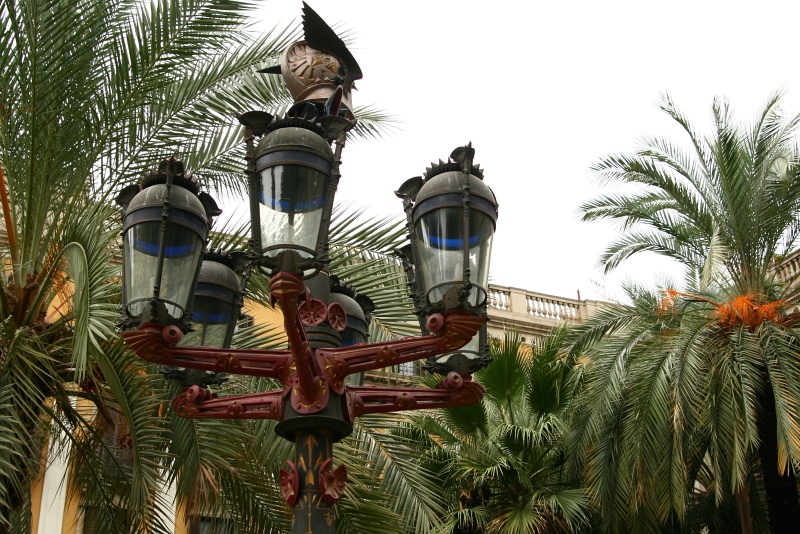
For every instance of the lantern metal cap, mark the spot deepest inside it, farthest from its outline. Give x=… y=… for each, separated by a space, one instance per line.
x=448 y=177
x=451 y=181
x=293 y=135
x=179 y=198
x=171 y=167
x=353 y=302
x=170 y=172
x=218 y=269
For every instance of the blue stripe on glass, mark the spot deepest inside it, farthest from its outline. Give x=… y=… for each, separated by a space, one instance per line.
x=199 y=316
x=442 y=242
x=174 y=251
x=284 y=205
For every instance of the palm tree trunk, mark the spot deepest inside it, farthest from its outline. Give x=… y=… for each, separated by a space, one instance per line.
x=782 y=503
x=742 y=495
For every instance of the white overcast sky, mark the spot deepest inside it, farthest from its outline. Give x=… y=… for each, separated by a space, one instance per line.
x=544 y=89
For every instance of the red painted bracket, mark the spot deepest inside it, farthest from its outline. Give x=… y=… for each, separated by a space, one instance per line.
x=196 y=402
x=149 y=344
x=310 y=392
x=454 y=390
x=309 y=377
x=451 y=332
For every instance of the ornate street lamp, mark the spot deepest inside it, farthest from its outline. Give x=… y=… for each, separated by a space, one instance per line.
x=293 y=172
x=165 y=226
x=451 y=217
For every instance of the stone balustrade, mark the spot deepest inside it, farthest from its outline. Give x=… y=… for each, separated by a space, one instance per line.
x=788 y=268
x=532 y=313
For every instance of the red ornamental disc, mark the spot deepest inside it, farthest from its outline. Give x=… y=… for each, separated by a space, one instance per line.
x=171 y=335
x=435 y=323
x=312 y=312
x=194 y=393
x=337 y=317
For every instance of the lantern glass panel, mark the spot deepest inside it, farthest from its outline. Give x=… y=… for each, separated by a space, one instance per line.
x=206 y=335
x=354 y=333
x=212 y=315
x=182 y=251
x=291 y=202
x=440 y=242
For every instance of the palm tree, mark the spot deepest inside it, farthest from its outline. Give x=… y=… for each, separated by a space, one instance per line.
x=703 y=380
x=91 y=94
x=499 y=464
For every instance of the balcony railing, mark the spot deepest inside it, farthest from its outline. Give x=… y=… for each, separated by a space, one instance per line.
x=536 y=305
x=532 y=313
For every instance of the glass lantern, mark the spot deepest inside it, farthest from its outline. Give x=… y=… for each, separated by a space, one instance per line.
x=215 y=309
x=291 y=195
x=165 y=227
x=453 y=218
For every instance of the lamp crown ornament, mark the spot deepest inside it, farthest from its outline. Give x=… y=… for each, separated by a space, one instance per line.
x=320 y=69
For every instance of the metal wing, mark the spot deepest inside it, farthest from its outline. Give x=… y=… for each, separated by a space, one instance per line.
x=321 y=37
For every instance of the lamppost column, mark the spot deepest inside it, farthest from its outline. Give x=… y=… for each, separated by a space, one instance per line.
x=311 y=513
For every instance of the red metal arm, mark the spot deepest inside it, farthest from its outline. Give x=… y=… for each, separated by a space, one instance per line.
x=199 y=403
x=454 y=390
x=149 y=344
x=309 y=391
x=451 y=332
x=310 y=377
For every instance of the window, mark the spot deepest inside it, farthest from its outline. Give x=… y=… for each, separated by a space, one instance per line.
x=406 y=369
x=246 y=320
